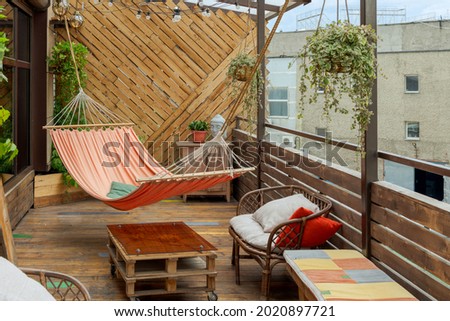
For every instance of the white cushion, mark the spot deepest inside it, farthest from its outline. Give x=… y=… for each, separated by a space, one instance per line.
x=277 y=211
x=249 y=230
x=17 y=286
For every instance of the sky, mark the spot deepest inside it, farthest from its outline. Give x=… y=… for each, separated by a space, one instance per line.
x=414 y=10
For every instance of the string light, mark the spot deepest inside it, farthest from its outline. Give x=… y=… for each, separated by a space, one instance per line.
x=237 y=5
x=110 y=3
x=147 y=15
x=60 y=8
x=139 y=14
x=206 y=13
x=200 y=4
x=76 y=20
x=176 y=14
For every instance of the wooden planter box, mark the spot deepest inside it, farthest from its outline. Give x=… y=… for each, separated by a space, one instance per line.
x=49 y=190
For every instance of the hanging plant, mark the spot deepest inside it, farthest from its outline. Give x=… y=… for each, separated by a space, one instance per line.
x=340 y=58
x=239 y=71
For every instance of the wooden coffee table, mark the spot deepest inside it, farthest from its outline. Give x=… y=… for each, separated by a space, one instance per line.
x=161 y=258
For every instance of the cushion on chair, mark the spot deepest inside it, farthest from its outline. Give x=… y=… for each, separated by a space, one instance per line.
x=316 y=232
x=249 y=230
x=17 y=286
x=275 y=212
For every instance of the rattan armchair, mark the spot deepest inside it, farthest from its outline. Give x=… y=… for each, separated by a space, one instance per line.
x=272 y=254
x=61 y=286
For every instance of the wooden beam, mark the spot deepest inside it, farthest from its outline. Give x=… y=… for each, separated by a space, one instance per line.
x=369 y=163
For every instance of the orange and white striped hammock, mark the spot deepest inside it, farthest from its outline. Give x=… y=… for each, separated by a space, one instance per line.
x=97 y=155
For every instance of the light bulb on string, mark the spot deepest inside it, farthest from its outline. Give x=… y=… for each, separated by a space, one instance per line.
x=176 y=14
x=139 y=14
x=76 y=21
x=110 y=3
x=237 y=5
x=147 y=15
x=200 y=4
x=206 y=13
x=60 y=8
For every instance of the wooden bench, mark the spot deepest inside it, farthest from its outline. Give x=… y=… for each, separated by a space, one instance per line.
x=325 y=275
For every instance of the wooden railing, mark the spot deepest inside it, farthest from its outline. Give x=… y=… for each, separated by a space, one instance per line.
x=409 y=231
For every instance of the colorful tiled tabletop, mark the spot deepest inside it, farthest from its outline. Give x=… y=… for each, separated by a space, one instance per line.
x=342 y=275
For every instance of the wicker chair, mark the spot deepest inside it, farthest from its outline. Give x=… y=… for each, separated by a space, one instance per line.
x=272 y=254
x=61 y=286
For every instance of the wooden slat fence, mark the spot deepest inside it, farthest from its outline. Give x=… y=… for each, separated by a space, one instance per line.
x=409 y=232
x=159 y=74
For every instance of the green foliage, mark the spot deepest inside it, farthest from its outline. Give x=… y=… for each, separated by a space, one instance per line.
x=58 y=166
x=238 y=68
x=3 y=48
x=8 y=150
x=340 y=58
x=66 y=88
x=199 y=125
x=61 y=64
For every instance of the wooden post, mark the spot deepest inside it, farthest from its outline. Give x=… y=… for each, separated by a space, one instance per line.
x=261 y=117
x=369 y=163
x=5 y=224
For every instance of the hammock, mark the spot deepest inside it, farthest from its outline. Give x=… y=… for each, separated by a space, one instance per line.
x=102 y=148
x=108 y=150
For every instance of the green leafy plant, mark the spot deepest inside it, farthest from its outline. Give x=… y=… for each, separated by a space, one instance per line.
x=8 y=150
x=340 y=58
x=61 y=64
x=199 y=125
x=239 y=71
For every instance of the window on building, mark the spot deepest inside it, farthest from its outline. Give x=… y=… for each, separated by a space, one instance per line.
x=278 y=101
x=321 y=131
x=411 y=83
x=412 y=130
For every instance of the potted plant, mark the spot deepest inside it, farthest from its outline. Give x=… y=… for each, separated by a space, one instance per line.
x=199 y=130
x=239 y=70
x=340 y=58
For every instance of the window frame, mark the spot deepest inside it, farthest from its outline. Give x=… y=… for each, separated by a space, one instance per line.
x=278 y=100
x=407 y=137
x=406 y=87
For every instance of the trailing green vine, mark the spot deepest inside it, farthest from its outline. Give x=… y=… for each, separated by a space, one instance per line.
x=238 y=69
x=61 y=64
x=340 y=59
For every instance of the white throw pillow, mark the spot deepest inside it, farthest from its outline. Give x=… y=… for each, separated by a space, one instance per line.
x=17 y=286
x=277 y=211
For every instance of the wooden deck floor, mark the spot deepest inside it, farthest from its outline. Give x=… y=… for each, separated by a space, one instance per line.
x=72 y=239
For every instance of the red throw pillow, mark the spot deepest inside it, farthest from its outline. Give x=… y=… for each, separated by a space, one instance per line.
x=316 y=232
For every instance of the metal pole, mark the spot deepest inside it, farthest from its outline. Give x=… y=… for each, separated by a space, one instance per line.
x=260 y=126
x=369 y=163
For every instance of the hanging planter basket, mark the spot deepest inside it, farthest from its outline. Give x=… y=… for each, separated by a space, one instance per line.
x=242 y=73
x=340 y=58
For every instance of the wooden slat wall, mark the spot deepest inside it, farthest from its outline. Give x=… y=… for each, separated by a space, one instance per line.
x=410 y=237
x=159 y=74
x=409 y=232
x=282 y=166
